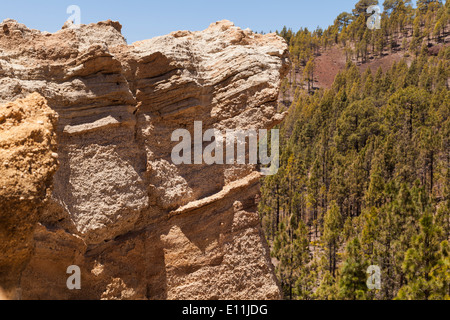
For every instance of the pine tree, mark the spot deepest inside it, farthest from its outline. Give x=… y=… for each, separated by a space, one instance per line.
x=353 y=277
x=331 y=236
x=308 y=74
x=327 y=289
x=302 y=256
x=283 y=251
x=420 y=262
x=362 y=5
x=441 y=274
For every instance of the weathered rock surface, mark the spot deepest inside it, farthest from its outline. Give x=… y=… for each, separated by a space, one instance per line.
x=28 y=162
x=138 y=226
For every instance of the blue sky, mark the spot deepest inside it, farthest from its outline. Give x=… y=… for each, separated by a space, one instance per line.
x=146 y=19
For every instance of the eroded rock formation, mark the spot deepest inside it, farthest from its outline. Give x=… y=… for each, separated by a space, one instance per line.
x=28 y=162
x=138 y=226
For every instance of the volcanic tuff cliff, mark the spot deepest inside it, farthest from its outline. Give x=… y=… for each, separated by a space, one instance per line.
x=86 y=171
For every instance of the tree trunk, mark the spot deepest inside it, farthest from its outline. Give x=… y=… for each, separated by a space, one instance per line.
x=278 y=207
x=431 y=172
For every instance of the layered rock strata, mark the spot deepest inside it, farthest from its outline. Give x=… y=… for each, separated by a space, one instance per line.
x=138 y=226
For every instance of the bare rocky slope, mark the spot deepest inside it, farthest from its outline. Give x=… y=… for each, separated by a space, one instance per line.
x=86 y=171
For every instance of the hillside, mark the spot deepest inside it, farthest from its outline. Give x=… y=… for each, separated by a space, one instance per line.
x=365 y=165
x=349 y=39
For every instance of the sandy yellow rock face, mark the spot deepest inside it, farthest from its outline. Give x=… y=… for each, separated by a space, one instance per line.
x=138 y=226
x=27 y=164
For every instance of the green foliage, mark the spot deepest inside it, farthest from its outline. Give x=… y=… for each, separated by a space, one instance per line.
x=353 y=278
x=403 y=28
x=426 y=264
x=364 y=177
x=291 y=249
x=362 y=5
